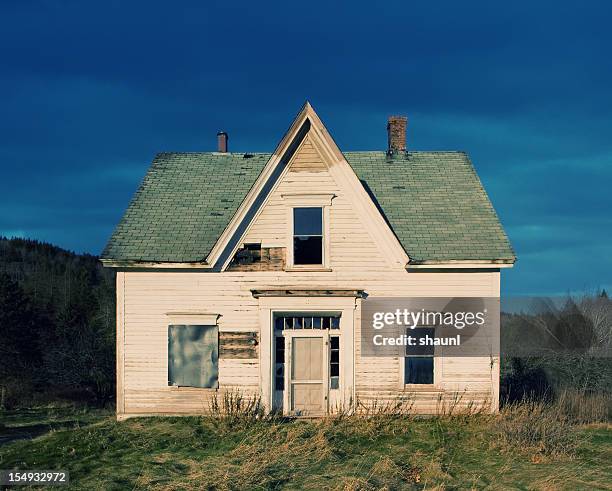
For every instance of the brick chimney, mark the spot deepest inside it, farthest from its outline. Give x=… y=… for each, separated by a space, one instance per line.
x=222 y=139
x=396 y=133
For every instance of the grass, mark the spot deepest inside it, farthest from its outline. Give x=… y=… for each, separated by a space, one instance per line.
x=31 y=423
x=524 y=447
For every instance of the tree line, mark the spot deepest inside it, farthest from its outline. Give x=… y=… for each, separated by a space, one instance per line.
x=57 y=325
x=57 y=333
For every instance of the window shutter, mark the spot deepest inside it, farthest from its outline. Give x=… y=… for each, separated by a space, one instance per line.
x=193 y=353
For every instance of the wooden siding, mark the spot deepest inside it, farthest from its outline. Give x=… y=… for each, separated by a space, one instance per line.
x=264 y=259
x=357 y=263
x=238 y=345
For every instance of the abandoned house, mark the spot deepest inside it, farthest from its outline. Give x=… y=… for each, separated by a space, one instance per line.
x=246 y=272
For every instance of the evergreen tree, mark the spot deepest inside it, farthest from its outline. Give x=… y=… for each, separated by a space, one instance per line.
x=57 y=323
x=19 y=349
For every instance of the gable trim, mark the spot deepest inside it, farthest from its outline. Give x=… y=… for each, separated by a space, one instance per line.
x=131 y=264
x=229 y=241
x=307 y=123
x=472 y=263
x=345 y=176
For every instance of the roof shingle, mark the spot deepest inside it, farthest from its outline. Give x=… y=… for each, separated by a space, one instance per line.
x=433 y=201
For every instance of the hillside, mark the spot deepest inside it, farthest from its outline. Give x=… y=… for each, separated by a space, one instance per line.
x=56 y=323
x=526 y=447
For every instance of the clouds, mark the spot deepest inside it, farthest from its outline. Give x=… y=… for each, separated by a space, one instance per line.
x=90 y=93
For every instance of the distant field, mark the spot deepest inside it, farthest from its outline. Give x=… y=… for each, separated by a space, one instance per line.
x=522 y=449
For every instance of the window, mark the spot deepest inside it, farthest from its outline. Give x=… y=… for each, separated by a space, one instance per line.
x=307 y=322
x=334 y=362
x=419 y=360
x=307 y=236
x=193 y=353
x=279 y=354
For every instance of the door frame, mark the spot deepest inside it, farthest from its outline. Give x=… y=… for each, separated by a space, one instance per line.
x=349 y=309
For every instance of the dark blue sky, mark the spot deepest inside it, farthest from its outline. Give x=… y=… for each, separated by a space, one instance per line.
x=90 y=92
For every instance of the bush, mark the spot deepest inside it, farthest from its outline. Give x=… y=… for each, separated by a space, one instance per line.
x=235 y=408
x=524 y=379
x=535 y=426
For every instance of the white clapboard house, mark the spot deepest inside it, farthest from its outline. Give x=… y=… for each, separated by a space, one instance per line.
x=246 y=272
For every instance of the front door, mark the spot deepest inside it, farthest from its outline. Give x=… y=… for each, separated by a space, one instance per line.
x=307 y=379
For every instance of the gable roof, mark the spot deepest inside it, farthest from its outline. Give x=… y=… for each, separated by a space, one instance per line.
x=183 y=205
x=435 y=204
x=433 y=201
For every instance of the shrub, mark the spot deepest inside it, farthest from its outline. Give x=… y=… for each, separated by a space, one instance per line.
x=535 y=426
x=234 y=407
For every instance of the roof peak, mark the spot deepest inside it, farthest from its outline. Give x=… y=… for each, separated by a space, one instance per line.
x=230 y=154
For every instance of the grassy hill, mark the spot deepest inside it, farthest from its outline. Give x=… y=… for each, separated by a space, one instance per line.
x=525 y=447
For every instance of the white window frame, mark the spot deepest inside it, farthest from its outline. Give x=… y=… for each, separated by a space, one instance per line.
x=309 y=200
x=437 y=371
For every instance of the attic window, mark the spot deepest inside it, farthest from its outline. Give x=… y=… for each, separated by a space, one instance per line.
x=308 y=236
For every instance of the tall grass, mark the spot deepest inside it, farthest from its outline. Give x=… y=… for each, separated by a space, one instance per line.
x=584 y=407
x=385 y=446
x=235 y=408
x=535 y=427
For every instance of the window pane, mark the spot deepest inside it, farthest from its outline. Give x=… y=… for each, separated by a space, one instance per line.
x=307 y=250
x=420 y=333
x=334 y=341
x=334 y=362
x=279 y=380
x=419 y=370
x=280 y=349
x=307 y=221
x=279 y=383
x=335 y=323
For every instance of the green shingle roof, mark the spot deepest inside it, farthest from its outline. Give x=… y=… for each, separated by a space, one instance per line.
x=433 y=201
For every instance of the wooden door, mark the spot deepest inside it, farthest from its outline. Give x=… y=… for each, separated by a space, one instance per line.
x=308 y=376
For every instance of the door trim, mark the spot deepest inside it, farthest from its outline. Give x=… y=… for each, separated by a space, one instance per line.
x=348 y=307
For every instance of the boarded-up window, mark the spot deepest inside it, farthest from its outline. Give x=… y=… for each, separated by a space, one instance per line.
x=193 y=353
